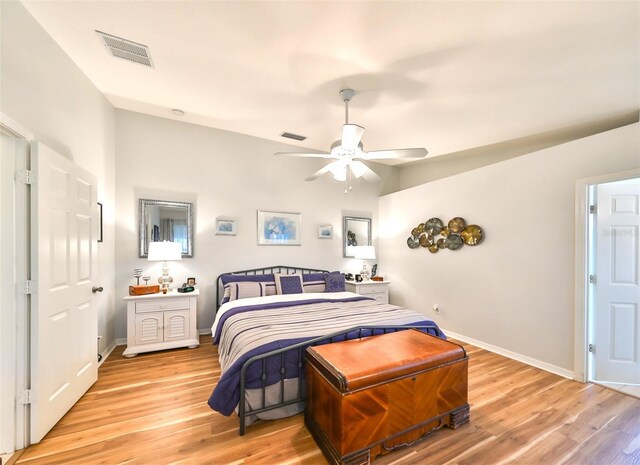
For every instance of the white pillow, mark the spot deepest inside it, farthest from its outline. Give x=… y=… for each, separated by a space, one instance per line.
x=246 y=289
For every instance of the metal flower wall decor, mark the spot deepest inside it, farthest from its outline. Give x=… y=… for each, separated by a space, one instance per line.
x=453 y=236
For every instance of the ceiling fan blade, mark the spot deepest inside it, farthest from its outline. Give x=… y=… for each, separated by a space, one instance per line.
x=360 y=169
x=416 y=153
x=351 y=135
x=305 y=155
x=320 y=172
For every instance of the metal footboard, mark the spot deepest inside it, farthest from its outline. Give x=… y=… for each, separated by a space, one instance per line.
x=300 y=348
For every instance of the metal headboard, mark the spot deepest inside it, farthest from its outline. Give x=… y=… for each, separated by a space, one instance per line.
x=280 y=269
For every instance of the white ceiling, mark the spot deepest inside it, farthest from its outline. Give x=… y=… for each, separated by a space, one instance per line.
x=448 y=76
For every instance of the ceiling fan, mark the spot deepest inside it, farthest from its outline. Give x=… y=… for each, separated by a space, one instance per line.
x=348 y=152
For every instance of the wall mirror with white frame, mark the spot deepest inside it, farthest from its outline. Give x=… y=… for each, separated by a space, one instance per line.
x=163 y=220
x=355 y=232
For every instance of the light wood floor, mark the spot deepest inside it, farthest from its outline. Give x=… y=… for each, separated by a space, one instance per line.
x=152 y=409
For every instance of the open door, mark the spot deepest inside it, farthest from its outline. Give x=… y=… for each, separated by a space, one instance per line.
x=616 y=287
x=64 y=321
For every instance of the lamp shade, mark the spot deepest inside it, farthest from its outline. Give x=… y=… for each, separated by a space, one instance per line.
x=159 y=251
x=365 y=252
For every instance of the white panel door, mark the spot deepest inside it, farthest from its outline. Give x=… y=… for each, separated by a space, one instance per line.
x=617 y=294
x=64 y=322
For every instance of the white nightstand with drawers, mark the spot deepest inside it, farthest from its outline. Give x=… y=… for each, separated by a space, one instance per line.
x=161 y=321
x=378 y=290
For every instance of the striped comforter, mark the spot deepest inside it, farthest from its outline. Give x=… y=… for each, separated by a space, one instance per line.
x=249 y=327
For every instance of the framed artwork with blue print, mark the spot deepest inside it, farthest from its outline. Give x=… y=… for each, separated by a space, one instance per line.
x=279 y=228
x=325 y=231
x=225 y=227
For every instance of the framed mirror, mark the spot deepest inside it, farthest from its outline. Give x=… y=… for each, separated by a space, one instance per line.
x=163 y=220
x=355 y=232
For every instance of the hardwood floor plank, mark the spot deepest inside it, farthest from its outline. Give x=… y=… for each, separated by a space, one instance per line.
x=151 y=409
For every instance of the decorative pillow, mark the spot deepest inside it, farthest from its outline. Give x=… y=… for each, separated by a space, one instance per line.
x=289 y=284
x=227 y=279
x=334 y=282
x=245 y=289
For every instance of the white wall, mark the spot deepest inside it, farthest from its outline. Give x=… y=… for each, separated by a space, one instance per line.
x=516 y=289
x=228 y=175
x=43 y=90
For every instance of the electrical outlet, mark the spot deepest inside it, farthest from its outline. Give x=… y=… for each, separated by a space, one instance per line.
x=435 y=308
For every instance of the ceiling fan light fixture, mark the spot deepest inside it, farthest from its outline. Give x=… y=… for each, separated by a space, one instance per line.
x=339 y=171
x=357 y=168
x=348 y=152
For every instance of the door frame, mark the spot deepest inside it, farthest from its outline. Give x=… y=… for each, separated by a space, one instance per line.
x=18 y=355
x=581 y=367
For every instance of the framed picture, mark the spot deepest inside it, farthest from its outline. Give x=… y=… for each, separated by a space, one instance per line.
x=225 y=227
x=325 y=231
x=279 y=228
x=99 y=222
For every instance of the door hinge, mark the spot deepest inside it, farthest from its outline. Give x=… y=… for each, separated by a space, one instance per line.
x=593 y=209
x=26 y=176
x=592 y=348
x=592 y=279
x=26 y=397
x=27 y=287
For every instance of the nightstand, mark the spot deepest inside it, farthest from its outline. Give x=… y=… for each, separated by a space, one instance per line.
x=378 y=290
x=161 y=321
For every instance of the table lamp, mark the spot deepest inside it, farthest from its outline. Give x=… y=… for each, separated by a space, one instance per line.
x=364 y=253
x=165 y=251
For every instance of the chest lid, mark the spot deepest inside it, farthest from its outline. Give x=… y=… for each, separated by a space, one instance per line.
x=357 y=363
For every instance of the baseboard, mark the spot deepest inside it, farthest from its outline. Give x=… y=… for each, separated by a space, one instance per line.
x=512 y=355
x=206 y=331
x=106 y=352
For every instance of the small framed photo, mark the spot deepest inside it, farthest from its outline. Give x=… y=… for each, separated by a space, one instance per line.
x=225 y=227
x=325 y=231
x=191 y=281
x=279 y=228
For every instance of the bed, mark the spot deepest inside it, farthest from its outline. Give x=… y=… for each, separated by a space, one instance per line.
x=267 y=317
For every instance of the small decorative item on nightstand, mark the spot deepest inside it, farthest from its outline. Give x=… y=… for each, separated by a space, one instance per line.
x=139 y=289
x=186 y=288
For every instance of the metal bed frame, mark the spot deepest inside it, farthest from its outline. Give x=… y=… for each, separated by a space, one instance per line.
x=300 y=348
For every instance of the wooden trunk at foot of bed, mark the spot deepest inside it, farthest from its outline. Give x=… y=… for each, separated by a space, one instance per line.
x=369 y=396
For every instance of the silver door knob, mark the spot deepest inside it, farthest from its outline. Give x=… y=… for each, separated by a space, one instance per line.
x=96 y=289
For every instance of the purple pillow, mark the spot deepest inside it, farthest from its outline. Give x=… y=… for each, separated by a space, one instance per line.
x=334 y=282
x=289 y=284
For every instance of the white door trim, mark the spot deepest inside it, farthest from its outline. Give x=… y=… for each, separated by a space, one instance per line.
x=580 y=359
x=17 y=356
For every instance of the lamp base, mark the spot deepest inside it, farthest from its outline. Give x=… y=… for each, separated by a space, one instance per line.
x=365 y=271
x=165 y=280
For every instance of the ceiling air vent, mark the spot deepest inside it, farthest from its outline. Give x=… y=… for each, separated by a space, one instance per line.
x=289 y=135
x=126 y=49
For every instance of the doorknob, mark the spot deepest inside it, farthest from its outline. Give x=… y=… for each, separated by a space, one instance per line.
x=96 y=289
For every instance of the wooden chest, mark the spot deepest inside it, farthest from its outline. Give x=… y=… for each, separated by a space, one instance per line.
x=369 y=396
